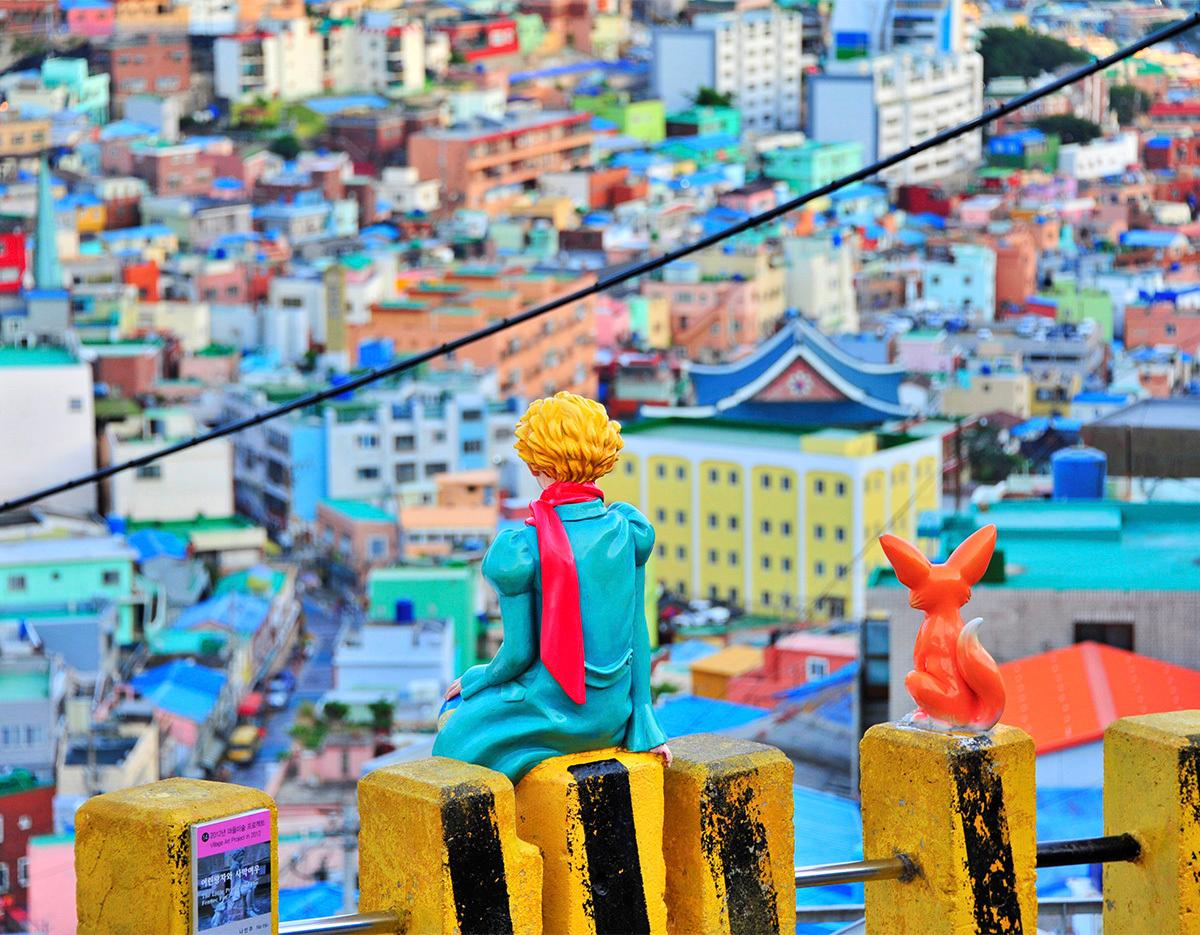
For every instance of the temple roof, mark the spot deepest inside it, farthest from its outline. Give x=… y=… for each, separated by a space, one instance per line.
x=798 y=376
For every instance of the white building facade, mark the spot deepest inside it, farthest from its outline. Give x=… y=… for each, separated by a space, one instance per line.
x=752 y=53
x=288 y=64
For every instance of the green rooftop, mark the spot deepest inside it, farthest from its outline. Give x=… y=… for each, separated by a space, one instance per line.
x=24 y=686
x=240 y=581
x=1102 y=545
x=359 y=510
x=35 y=357
x=217 y=350
x=184 y=527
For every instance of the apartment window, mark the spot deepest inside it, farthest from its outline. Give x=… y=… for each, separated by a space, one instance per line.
x=713 y=475
x=111 y=577
x=475 y=446
x=785 y=563
x=766 y=563
x=733 y=522
x=680 y=552
x=367 y=473
x=436 y=468
x=378 y=546
x=406 y=473
x=660 y=470
x=840 y=489
x=680 y=517
x=733 y=595
x=472 y=415
x=819 y=569
x=628 y=467
x=818 y=531
x=785 y=528
x=439 y=437
x=841 y=571
x=4 y=882
x=766 y=598
x=22 y=871
x=839 y=533
x=733 y=477
x=24 y=823
x=816 y=667
x=681 y=473
x=785 y=482
x=733 y=558
x=149 y=472
x=712 y=556
x=662 y=551
x=765 y=526
x=765 y=481
x=818 y=486
x=16 y=583
x=660 y=515
x=713 y=521
x=404 y=443
x=367 y=441
x=1170 y=329
x=75 y=404
x=1111 y=633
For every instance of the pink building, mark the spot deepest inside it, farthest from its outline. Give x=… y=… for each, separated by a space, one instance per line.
x=222 y=283
x=52 y=884
x=90 y=18
x=753 y=198
x=359 y=535
x=611 y=323
x=212 y=366
x=340 y=759
x=794 y=660
x=925 y=352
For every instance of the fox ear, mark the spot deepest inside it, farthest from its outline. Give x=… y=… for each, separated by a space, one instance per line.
x=912 y=568
x=972 y=557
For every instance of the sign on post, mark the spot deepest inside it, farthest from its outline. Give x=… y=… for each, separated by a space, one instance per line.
x=231 y=875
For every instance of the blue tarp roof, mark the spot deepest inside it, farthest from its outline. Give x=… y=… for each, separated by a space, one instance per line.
x=689 y=714
x=1039 y=425
x=183 y=688
x=145 y=230
x=691 y=650
x=151 y=543
x=335 y=105
x=243 y=613
x=1115 y=398
x=310 y=902
x=1157 y=240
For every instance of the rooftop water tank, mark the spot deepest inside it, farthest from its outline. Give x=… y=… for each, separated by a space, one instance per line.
x=404 y=611
x=1079 y=473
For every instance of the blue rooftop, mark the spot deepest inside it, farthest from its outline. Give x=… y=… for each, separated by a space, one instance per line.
x=1155 y=240
x=152 y=543
x=335 y=105
x=145 y=230
x=690 y=714
x=183 y=688
x=242 y=613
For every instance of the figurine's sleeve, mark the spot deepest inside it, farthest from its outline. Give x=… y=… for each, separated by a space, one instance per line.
x=644 y=732
x=510 y=566
x=640 y=529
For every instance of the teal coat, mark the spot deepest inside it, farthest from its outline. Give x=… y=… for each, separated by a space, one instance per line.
x=513 y=713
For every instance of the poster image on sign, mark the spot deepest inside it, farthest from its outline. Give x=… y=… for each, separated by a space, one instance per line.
x=231 y=875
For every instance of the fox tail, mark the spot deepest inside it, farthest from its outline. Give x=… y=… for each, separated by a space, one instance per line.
x=982 y=675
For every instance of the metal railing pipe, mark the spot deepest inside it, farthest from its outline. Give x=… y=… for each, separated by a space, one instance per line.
x=856 y=871
x=359 y=923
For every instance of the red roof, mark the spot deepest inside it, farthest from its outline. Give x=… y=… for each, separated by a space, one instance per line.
x=1175 y=109
x=1068 y=696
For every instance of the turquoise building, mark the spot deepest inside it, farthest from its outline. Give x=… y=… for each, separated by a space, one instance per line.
x=446 y=592
x=87 y=94
x=811 y=164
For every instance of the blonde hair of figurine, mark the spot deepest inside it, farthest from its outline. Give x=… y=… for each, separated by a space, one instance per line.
x=569 y=438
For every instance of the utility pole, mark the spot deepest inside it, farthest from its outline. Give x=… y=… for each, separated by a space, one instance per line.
x=958 y=464
x=349 y=863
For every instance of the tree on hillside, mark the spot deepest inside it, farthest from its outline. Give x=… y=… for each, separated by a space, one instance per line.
x=285 y=145
x=1025 y=53
x=708 y=97
x=1129 y=102
x=1069 y=128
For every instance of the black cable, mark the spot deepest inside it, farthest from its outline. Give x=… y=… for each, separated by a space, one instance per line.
x=632 y=272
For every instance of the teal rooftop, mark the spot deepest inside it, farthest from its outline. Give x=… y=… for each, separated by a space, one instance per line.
x=1102 y=545
x=359 y=510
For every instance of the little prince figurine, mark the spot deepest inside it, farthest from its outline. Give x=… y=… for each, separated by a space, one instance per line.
x=573 y=673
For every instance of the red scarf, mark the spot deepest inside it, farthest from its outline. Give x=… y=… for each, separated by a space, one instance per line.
x=562 y=625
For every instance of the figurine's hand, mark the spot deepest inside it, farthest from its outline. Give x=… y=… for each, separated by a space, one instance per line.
x=665 y=752
x=454 y=690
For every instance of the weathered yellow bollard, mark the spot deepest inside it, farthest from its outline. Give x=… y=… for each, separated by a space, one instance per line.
x=438 y=846
x=730 y=842
x=598 y=820
x=963 y=808
x=138 y=869
x=1152 y=791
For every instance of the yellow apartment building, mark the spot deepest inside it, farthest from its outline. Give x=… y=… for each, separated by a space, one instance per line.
x=774 y=519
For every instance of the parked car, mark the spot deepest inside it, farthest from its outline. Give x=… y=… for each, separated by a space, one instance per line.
x=279 y=691
x=244 y=743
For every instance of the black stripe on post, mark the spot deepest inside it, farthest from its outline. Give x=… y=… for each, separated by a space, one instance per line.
x=980 y=796
x=734 y=843
x=618 y=900
x=476 y=860
x=1189 y=775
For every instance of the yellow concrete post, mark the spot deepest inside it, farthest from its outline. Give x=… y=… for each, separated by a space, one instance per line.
x=133 y=860
x=730 y=842
x=963 y=808
x=1152 y=791
x=598 y=820
x=438 y=846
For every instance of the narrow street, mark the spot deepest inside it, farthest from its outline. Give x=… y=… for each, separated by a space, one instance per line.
x=314 y=678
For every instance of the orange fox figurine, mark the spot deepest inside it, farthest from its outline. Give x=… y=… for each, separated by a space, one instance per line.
x=954 y=681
